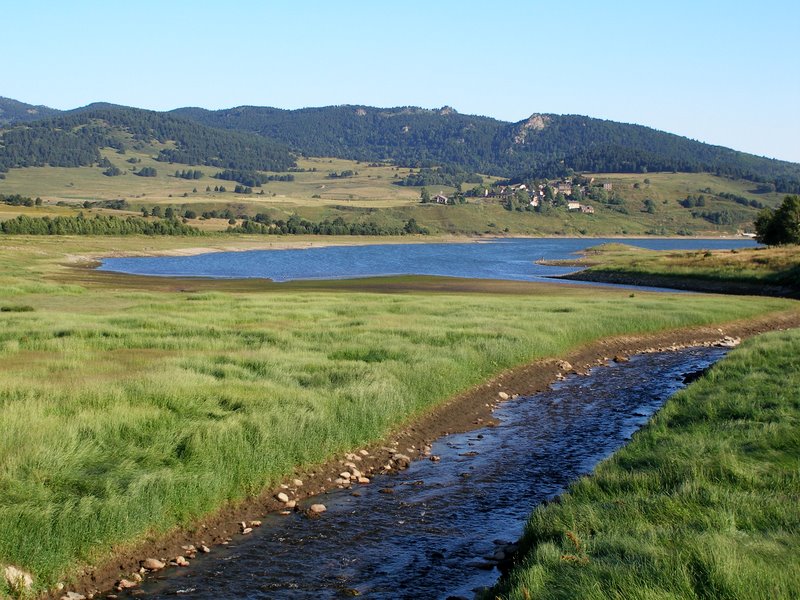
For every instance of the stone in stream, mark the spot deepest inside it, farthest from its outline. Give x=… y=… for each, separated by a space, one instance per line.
x=317 y=508
x=73 y=596
x=153 y=564
x=621 y=359
x=125 y=584
x=181 y=561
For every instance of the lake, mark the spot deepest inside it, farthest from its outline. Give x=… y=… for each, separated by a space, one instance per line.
x=513 y=259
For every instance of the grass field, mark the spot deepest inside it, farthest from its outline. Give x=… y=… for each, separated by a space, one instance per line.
x=774 y=266
x=703 y=503
x=372 y=196
x=128 y=407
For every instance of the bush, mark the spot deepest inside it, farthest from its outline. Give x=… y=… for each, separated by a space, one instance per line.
x=782 y=226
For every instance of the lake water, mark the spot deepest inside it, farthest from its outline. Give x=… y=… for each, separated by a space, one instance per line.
x=513 y=259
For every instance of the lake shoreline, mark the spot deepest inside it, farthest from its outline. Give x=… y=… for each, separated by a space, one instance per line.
x=682 y=282
x=307 y=242
x=464 y=412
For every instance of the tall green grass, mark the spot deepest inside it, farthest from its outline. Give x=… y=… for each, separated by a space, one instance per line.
x=703 y=503
x=124 y=413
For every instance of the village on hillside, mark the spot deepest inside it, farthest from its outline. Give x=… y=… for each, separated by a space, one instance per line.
x=568 y=193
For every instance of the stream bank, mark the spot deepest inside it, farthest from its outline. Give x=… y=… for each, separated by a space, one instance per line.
x=464 y=412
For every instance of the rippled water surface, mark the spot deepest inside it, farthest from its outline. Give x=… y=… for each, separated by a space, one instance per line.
x=430 y=538
x=495 y=259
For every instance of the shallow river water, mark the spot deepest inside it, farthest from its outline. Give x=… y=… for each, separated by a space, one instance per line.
x=430 y=538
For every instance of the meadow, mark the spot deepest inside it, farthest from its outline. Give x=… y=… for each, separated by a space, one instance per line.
x=371 y=195
x=702 y=503
x=753 y=268
x=129 y=406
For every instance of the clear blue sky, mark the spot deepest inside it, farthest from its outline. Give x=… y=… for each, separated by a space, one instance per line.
x=722 y=72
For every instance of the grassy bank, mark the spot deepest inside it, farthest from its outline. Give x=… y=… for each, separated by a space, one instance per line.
x=649 y=204
x=703 y=503
x=129 y=407
x=775 y=270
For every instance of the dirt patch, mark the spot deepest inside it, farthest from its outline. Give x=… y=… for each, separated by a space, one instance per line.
x=694 y=284
x=469 y=410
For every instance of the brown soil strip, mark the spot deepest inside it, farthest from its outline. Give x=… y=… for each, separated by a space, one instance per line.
x=469 y=410
x=696 y=284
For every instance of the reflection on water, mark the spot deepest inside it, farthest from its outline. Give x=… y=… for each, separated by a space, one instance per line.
x=431 y=537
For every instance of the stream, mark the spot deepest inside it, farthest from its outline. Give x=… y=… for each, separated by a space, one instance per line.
x=435 y=534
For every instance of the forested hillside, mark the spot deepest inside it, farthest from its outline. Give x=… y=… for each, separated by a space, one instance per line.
x=14 y=111
x=541 y=146
x=260 y=138
x=75 y=139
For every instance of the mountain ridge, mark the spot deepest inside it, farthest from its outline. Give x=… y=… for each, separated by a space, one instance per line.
x=542 y=145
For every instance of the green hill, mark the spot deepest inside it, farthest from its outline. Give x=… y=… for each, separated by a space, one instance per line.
x=75 y=139
x=14 y=111
x=545 y=145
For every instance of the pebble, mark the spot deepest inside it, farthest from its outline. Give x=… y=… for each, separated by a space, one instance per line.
x=344 y=475
x=297 y=482
x=621 y=359
x=282 y=497
x=317 y=508
x=17 y=579
x=435 y=458
x=255 y=523
x=291 y=504
x=247 y=530
x=125 y=584
x=503 y=395
x=363 y=480
x=153 y=564
x=363 y=453
x=564 y=365
x=205 y=549
x=73 y=596
x=181 y=561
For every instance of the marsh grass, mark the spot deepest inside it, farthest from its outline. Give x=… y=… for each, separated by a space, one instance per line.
x=778 y=265
x=703 y=503
x=127 y=412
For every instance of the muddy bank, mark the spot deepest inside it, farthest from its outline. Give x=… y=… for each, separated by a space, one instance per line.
x=694 y=284
x=464 y=412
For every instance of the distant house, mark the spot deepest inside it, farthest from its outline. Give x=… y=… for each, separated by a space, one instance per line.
x=535 y=202
x=440 y=198
x=608 y=186
x=587 y=210
x=564 y=188
x=573 y=205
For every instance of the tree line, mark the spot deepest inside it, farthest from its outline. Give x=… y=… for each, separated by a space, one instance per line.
x=262 y=223
x=97 y=225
